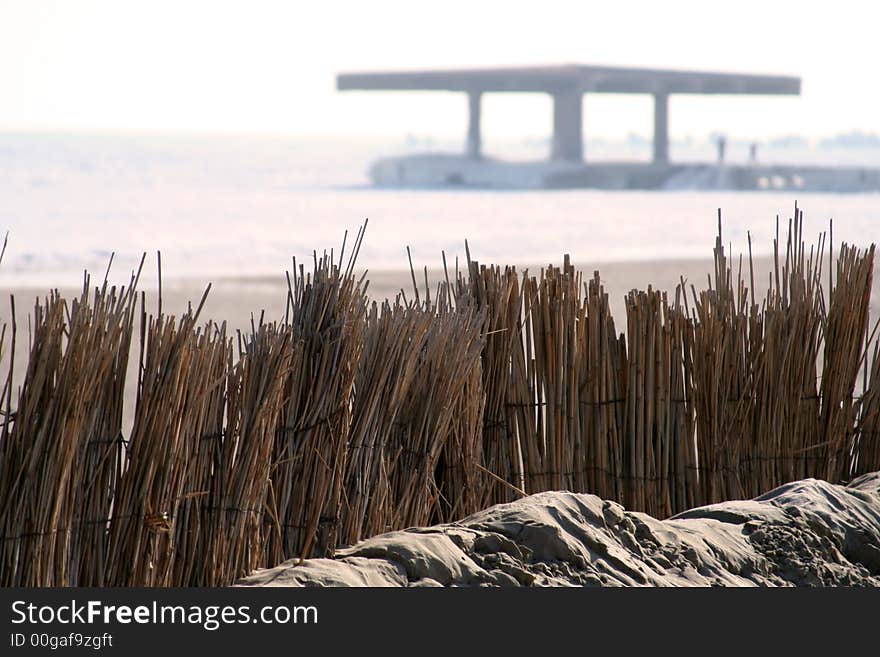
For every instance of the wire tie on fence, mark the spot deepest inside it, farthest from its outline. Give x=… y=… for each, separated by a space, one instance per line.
x=525 y=404
x=233 y=508
x=603 y=402
x=317 y=423
x=103 y=441
x=288 y=525
x=413 y=452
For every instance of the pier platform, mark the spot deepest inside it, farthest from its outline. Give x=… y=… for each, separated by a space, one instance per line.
x=460 y=171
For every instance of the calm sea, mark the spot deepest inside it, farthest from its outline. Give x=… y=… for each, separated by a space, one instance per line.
x=242 y=206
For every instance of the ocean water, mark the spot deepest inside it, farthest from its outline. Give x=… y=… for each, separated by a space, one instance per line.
x=242 y=207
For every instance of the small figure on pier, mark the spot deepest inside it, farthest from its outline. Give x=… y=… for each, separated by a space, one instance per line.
x=722 y=145
x=753 y=152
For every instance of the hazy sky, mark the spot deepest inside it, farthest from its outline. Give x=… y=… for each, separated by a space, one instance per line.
x=269 y=66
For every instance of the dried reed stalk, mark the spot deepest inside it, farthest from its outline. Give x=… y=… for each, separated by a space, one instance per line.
x=343 y=421
x=602 y=385
x=507 y=406
x=60 y=453
x=845 y=335
x=198 y=521
x=867 y=446
x=326 y=312
x=241 y=507
x=460 y=481
x=394 y=337
x=721 y=379
x=555 y=457
x=785 y=344
x=424 y=424
x=169 y=422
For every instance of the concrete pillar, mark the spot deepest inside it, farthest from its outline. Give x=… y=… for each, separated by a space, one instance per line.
x=567 y=133
x=474 y=137
x=661 y=128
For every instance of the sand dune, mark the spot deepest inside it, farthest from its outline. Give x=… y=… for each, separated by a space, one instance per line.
x=806 y=533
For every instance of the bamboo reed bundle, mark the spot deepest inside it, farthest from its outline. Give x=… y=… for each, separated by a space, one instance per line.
x=397 y=341
x=241 y=503
x=170 y=418
x=52 y=453
x=721 y=379
x=198 y=516
x=650 y=409
x=786 y=408
x=60 y=457
x=603 y=395
x=36 y=463
x=507 y=407
x=459 y=474
x=845 y=334
x=449 y=355
x=326 y=313
x=100 y=459
x=557 y=315
x=867 y=446
x=683 y=458
x=393 y=339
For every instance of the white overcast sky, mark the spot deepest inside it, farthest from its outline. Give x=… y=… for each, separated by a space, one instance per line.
x=269 y=66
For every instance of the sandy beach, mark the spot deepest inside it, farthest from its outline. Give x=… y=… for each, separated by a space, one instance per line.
x=238 y=301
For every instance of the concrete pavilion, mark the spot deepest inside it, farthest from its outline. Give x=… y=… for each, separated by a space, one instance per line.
x=566 y=167
x=567 y=86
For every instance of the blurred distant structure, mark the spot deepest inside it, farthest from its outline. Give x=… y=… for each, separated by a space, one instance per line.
x=566 y=166
x=722 y=146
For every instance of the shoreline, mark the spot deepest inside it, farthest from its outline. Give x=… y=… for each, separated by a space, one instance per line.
x=235 y=299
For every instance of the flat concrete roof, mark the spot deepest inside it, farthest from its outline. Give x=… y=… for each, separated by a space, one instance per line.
x=588 y=79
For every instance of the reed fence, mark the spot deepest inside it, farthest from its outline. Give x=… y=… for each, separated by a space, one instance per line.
x=349 y=418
